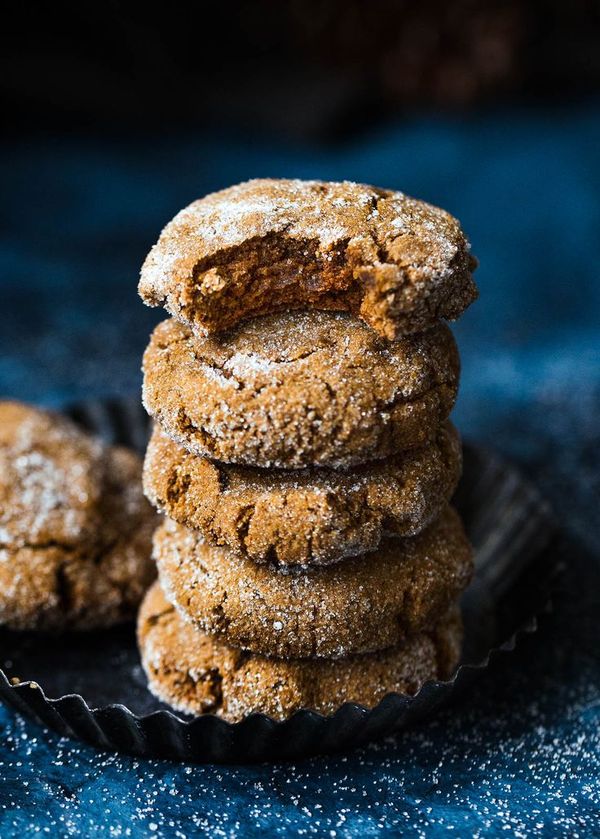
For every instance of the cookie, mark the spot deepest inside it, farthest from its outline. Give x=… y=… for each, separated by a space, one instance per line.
x=49 y=487
x=75 y=529
x=307 y=516
x=358 y=605
x=198 y=674
x=299 y=389
x=268 y=245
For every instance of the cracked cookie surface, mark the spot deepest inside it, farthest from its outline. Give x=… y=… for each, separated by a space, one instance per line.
x=298 y=389
x=197 y=674
x=306 y=516
x=359 y=605
x=266 y=245
x=75 y=529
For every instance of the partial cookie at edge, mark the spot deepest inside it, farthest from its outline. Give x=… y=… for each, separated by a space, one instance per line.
x=50 y=478
x=84 y=560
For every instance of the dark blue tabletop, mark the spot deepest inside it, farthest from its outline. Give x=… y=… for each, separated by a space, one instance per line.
x=521 y=752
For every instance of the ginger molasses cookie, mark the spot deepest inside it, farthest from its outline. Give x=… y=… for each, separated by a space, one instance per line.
x=198 y=674
x=303 y=516
x=358 y=605
x=298 y=389
x=75 y=529
x=268 y=245
x=49 y=478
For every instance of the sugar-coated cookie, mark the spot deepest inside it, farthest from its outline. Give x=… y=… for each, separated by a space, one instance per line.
x=197 y=674
x=267 y=245
x=303 y=516
x=298 y=389
x=75 y=529
x=359 y=605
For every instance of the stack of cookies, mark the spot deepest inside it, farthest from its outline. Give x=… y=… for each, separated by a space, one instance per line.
x=301 y=450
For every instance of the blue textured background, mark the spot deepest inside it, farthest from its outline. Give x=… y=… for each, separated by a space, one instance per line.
x=521 y=753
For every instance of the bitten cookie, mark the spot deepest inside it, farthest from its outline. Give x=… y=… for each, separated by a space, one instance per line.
x=267 y=245
x=308 y=516
x=75 y=529
x=359 y=605
x=197 y=674
x=299 y=389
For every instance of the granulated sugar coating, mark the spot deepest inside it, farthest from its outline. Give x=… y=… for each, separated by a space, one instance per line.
x=269 y=244
x=299 y=389
x=75 y=528
x=197 y=674
x=50 y=479
x=303 y=516
x=359 y=605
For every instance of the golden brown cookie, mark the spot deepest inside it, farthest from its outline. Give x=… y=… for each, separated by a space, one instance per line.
x=299 y=389
x=75 y=529
x=358 y=605
x=49 y=487
x=305 y=516
x=197 y=674
x=267 y=245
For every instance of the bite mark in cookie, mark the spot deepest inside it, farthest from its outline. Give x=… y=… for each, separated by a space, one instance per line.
x=266 y=245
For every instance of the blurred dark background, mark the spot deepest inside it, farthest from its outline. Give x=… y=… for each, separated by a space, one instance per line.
x=303 y=68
